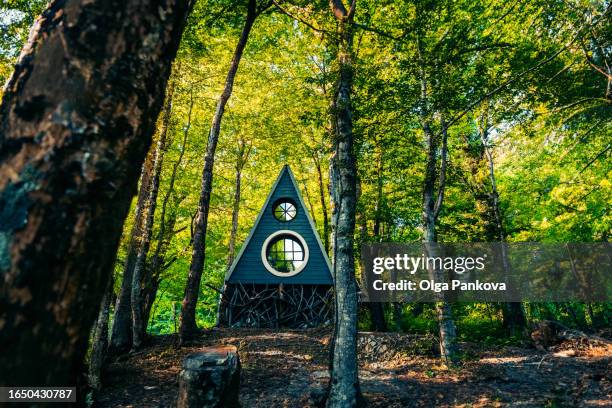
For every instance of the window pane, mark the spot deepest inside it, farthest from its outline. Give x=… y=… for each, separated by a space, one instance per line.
x=285 y=254
x=285 y=211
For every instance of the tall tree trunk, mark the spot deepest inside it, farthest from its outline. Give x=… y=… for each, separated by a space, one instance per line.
x=244 y=150
x=192 y=288
x=100 y=340
x=379 y=197
x=166 y=228
x=377 y=311
x=152 y=278
x=344 y=390
x=322 y=194
x=512 y=312
x=138 y=325
x=121 y=332
x=235 y=213
x=432 y=204
x=311 y=207
x=75 y=125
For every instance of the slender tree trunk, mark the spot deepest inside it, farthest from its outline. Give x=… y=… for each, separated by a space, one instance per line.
x=235 y=213
x=241 y=159
x=512 y=312
x=397 y=307
x=100 y=340
x=70 y=153
x=152 y=277
x=138 y=324
x=377 y=312
x=121 y=332
x=432 y=205
x=398 y=314
x=192 y=288
x=309 y=202
x=322 y=194
x=158 y=263
x=344 y=390
x=379 y=197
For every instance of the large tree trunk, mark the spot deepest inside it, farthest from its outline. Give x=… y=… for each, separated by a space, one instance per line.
x=100 y=340
x=138 y=323
x=344 y=379
x=192 y=288
x=75 y=124
x=121 y=331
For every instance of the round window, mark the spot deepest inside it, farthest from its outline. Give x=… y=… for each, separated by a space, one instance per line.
x=284 y=253
x=284 y=210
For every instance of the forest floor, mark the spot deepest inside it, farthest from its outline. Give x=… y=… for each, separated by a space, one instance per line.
x=289 y=369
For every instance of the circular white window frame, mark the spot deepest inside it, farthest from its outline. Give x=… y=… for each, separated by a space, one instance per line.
x=280 y=202
x=269 y=267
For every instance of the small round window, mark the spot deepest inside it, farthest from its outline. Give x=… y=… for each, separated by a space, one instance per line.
x=284 y=253
x=284 y=210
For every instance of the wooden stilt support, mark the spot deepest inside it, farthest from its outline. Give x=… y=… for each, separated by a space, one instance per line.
x=291 y=306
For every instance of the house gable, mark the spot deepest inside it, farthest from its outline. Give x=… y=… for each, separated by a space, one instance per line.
x=248 y=266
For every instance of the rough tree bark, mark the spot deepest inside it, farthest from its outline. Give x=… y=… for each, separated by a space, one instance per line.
x=75 y=124
x=138 y=323
x=121 y=331
x=192 y=288
x=100 y=340
x=344 y=390
x=242 y=155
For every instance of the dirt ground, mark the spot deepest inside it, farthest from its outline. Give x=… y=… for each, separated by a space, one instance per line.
x=289 y=369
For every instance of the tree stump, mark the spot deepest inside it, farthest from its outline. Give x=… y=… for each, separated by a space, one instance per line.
x=210 y=379
x=545 y=334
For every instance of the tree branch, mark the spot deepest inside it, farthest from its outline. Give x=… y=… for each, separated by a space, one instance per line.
x=306 y=23
x=522 y=74
x=604 y=151
x=379 y=32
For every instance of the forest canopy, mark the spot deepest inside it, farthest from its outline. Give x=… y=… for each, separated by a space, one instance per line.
x=524 y=86
x=523 y=72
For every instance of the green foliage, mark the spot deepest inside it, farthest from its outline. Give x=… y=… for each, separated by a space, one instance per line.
x=530 y=70
x=16 y=18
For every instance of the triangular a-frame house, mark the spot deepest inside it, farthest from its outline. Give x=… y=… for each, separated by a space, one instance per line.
x=282 y=274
